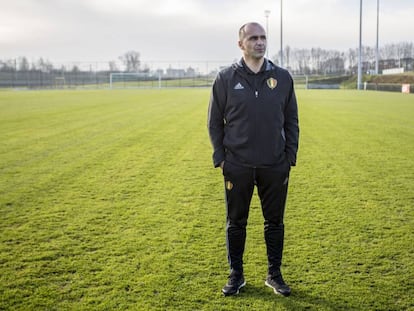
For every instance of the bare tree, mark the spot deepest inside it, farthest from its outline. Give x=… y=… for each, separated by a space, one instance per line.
x=352 y=58
x=44 y=65
x=131 y=60
x=113 y=66
x=24 y=64
x=303 y=60
x=75 y=69
x=406 y=49
x=8 y=65
x=388 y=51
x=287 y=55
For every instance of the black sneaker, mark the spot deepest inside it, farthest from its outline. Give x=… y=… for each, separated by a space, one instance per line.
x=279 y=286
x=236 y=281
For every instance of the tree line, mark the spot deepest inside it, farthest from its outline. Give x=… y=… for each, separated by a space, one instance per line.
x=130 y=59
x=321 y=61
x=297 y=60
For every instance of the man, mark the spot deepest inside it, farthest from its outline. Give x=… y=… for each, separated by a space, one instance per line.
x=253 y=127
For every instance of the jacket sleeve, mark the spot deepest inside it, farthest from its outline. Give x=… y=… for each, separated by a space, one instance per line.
x=215 y=121
x=291 y=127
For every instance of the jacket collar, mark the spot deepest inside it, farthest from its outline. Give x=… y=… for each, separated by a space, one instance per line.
x=267 y=66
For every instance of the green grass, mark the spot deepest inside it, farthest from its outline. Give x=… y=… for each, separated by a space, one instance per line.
x=108 y=200
x=165 y=83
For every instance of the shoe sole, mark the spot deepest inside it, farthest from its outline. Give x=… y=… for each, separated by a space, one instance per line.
x=238 y=290
x=276 y=291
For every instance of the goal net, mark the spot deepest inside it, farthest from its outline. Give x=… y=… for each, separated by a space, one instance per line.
x=133 y=80
x=60 y=82
x=389 y=87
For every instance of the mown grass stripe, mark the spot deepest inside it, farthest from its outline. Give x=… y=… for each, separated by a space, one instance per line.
x=108 y=200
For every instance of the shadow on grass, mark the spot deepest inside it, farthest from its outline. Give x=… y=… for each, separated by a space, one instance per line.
x=298 y=300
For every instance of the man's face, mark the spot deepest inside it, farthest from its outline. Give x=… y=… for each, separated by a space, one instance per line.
x=253 y=44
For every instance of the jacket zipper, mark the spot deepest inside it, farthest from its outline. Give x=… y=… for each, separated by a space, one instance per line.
x=255 y=140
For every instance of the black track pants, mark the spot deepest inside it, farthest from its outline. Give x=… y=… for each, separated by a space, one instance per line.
x=272 y=185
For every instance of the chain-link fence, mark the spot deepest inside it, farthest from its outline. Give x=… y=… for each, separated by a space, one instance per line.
x=150 y=75
x=39 y=79
x=100 y=75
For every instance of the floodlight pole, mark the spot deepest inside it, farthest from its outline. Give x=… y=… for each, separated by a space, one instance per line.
x=360 y=48
x=377 y=47
x=281 y=33
x=267 y=13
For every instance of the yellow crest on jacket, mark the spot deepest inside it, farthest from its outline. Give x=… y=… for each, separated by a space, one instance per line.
x=271 y=83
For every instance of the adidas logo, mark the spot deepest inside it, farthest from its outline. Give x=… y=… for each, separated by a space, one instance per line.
x=239 y=86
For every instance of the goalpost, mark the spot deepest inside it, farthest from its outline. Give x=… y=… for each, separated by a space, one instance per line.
x=301 y=81
x=133 y=80
x=60 y=82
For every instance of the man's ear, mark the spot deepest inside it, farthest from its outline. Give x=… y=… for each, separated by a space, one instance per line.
x=241 y=45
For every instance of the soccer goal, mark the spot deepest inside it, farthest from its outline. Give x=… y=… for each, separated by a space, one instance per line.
x=301 y=81
x=389 y=87
x=60 y=82
x=133 y=80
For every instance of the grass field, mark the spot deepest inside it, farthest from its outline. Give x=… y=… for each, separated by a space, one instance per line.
x=109 y=201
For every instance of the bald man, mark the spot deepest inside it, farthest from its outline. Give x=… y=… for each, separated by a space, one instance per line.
x=253 y=128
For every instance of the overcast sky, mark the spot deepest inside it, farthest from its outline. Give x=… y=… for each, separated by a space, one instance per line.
x=181 y=30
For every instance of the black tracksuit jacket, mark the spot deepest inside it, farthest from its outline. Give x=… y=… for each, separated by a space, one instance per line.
x=253 y=118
